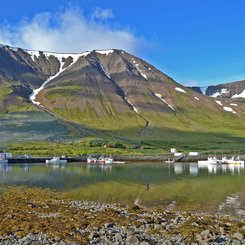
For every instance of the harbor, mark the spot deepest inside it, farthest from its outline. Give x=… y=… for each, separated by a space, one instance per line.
x=123 y=158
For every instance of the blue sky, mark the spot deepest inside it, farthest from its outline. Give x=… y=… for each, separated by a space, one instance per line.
x=197 y=42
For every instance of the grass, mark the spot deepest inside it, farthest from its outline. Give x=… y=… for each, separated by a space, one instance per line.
x=208 y=143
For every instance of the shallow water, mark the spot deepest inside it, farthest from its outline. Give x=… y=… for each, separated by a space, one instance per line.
x=182 y=186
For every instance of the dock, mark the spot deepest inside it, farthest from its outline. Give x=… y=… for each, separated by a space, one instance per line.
x=41 y=159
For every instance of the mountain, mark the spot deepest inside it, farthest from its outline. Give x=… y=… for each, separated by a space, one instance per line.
x=108 y=93
x=225 y=90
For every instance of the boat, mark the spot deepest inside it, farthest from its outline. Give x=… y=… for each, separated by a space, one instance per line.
x=56 y=160
x=233 y=160
x=169 y=161
x=106 y=160
x=91 y=160
x=3 y=160
x=210 y=160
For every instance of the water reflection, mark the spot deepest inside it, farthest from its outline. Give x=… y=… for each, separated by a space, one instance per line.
x=57 y=166
x=193 y=169
x=178 y=185
x=179 y=168
x=101 y=167
x=212 y=168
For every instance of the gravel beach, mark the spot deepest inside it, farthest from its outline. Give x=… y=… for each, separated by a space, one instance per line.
x=36 y=216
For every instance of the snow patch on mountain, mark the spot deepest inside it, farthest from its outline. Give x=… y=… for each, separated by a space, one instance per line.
x=105 y=72
x=139 y=70
x=241 y=95
x=229 y=109
x=219 y=93
x=159 y=96
x=59 y=56
x=131 y=105
x=233 y=104
x=35 y=92
x=196 y=98
x=219 y=102
x=180 y=90
x=105 y=52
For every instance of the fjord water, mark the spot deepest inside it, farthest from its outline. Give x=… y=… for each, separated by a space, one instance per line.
x=181 y=186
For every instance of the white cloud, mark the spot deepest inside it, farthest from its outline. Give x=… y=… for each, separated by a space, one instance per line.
x=68 y=31
x=102 y=14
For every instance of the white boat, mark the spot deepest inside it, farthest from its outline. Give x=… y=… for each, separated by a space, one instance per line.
x=91 y=160
x=3 y=158
x=106 y=160
x=3 y=161
x=56 y=160
x=234 y=160
x=211 y=160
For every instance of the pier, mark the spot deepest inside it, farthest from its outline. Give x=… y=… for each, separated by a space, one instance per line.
x=42 y=159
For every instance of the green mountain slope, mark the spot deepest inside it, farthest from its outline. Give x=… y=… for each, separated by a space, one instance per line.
x=115 y=95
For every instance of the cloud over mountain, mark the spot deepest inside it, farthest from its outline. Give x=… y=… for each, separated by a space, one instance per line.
x=103 y=14
x=70 y=31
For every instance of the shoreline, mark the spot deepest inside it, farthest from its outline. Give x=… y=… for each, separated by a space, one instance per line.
x=41 y=216
x=123 y=158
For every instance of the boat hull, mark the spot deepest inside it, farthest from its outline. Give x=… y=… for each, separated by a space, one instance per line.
x=3 y=161
x=56 y=161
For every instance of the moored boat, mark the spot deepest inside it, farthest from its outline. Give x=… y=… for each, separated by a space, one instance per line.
x=3 y=160
x=210 y=160
x=234 y=161
x=106 y=160
x=3 y=157
x=56 y=160
x=91 y=160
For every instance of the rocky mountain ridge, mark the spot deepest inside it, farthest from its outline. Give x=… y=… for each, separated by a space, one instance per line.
x=111 y=92
x=225 y=90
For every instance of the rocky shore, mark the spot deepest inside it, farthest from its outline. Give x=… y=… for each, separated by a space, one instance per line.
x=35 y=216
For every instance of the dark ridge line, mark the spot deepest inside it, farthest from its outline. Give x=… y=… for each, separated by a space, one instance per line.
x=121 y=93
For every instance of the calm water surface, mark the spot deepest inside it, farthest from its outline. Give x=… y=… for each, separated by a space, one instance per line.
x=177 y=186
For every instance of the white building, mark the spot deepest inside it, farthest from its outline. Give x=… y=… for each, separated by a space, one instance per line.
x=193 y=153
x=178 y=154
x=173 y=150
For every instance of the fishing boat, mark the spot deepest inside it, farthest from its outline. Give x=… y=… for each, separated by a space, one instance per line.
x=3 y=161
x=91 y=160
x=106 y=160
x=233 y=160
x=56 y=160
x=169 y=161
x=210 y=160
x=3 y=158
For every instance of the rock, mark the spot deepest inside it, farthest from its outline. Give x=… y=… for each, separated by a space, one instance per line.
x=238 y=236
x=194 y=224
x=118 y=236
x=236 y=242
x=144 y=243
x=133 y=239
x=110 y=225
x=129 y=232
x=157 y=227
x=219 y=239
x=205 y=234
x=90 y=237
x=222 y=230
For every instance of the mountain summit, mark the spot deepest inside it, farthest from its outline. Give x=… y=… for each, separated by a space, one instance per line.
x=110 y=92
